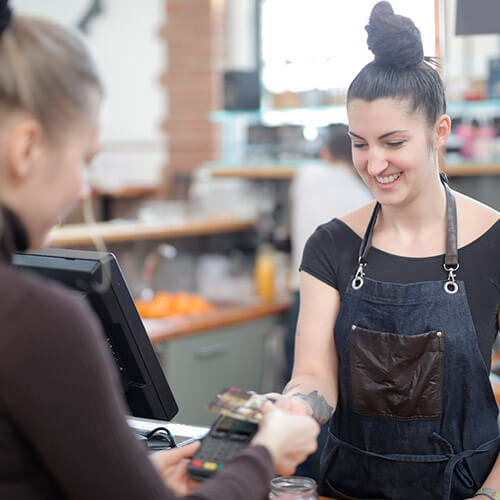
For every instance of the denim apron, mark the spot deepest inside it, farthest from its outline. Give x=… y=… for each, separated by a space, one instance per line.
x=416 y=416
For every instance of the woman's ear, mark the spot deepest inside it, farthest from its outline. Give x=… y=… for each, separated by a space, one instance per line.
x=23 y=146
x=442 y=131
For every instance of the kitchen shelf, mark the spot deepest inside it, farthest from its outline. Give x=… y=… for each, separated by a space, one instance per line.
x=288 y=170
x=457 y=107
x=330 y=114
x=471 y=169
x=111 y=232
x=256 y=172
x=130 y=192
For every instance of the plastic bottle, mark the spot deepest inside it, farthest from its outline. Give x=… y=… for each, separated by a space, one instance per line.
x=264 y=272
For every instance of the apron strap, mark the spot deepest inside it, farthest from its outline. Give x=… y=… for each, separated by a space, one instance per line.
x=451 y=256
x=457 y=459
x=367 y=239
x=451 y=459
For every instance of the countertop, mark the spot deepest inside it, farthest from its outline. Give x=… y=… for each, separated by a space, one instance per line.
x=225 y=315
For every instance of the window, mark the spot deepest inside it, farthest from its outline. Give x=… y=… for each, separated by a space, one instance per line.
x=309 y=44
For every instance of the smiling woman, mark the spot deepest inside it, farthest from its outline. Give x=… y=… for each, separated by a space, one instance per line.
x=394 y=150
x=399 y=300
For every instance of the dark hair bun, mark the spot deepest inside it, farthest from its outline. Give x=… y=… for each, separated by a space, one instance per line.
x=394 y=39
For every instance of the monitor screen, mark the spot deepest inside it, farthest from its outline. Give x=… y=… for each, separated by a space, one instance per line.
x=145 y=387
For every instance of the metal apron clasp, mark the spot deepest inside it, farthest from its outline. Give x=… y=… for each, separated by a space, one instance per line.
x=358 y=280
x=451 y=285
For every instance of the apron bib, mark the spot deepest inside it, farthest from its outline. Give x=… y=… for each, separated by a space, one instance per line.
x=416 y=416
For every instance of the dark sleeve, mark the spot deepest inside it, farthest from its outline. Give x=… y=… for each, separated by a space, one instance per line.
x=59 y=386
x=319 y=259
x=246 y=476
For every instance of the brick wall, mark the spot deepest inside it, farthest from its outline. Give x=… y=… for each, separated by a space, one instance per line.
x=194 y=40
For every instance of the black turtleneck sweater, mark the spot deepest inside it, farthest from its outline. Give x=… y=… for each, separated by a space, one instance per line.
x=63 y=433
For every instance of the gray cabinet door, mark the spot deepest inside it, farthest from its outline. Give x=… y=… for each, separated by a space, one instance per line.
x=199 y=366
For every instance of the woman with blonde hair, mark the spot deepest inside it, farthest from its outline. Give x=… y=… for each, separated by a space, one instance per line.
x=63 y=432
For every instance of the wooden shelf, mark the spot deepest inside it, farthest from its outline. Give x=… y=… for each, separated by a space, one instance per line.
x=80 y=234
x=287 y=172
x=255 y=172
x=131 y=192
x=470 y=169
x=165 y=329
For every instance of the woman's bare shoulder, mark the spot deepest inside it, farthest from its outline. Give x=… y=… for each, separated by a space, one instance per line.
x=359 y=218
x=474 y=218
x=476 y=207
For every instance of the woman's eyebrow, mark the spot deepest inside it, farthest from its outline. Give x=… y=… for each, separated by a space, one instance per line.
x=380 y=137
x=356 y=135
x=383 y=136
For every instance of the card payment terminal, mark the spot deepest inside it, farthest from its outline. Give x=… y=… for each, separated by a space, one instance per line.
x=226 y=437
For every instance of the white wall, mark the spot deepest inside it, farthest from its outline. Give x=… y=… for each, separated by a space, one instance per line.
x=240 y=35
x=131 y=57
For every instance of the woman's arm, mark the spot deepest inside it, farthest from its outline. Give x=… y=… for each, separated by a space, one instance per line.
x=314 y=377
x=493 y=479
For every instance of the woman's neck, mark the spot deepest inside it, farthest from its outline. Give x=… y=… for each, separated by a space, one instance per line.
x=419 y=225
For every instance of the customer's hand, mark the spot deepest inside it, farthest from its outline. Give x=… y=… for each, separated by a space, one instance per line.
x=289 y=438
x=172 y=464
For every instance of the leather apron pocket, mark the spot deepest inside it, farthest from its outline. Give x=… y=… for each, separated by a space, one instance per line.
x=397 y=376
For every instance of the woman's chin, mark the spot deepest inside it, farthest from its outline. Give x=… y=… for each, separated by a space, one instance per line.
x=61 y=220
x=391 y=198
x=41 y=239
x=39 y=242
x=389 y=201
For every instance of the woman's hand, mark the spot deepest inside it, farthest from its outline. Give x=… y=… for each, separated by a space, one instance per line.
x=294 y=405
x=291 y=404
x=172 y=464
x=289 y=438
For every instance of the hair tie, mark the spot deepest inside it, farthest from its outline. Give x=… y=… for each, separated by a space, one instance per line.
x=5 y=15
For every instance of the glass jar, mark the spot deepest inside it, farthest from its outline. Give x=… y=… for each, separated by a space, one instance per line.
x=293 y=488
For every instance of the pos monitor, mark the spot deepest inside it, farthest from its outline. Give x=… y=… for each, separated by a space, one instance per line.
x=146 y=390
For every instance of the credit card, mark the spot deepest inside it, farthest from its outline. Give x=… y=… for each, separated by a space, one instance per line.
x=242 y=405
